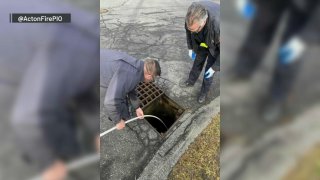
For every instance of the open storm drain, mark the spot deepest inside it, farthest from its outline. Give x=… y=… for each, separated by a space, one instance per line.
x=155 y=102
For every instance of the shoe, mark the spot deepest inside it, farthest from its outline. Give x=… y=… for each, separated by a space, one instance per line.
x=202 y=98
x=185 y=84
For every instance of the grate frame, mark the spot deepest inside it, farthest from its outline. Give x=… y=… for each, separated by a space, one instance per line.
x=147 y=93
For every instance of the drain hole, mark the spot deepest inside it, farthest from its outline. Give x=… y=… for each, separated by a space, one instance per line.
x=144 y=102
x=164 y=108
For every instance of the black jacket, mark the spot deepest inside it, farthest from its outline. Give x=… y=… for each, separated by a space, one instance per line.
x=120 y=74
x=311 y=10
x=212 y=37
x=53 y=64
x=308 y=10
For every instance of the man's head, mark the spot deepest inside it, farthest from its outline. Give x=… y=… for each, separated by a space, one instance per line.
x=196 y=17
x=151 y=69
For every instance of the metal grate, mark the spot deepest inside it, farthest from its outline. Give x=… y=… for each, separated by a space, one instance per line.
x=147 y=93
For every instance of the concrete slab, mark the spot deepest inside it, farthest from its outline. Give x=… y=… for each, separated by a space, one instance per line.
x=277 y=151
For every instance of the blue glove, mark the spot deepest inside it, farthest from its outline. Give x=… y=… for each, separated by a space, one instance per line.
x=246 y=8
x=192 y=55
x=291 y=51
x=209 y=73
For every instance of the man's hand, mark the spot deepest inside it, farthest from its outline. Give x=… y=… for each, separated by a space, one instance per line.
x=292 y=50
x=57 y=171
x=121 y=125
x=246 y=8
x=192 y=55
x=139 y=113
x=209 y=73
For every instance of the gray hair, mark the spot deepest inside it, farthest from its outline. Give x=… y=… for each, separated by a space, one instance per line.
x=196 y=13
x=152 y=66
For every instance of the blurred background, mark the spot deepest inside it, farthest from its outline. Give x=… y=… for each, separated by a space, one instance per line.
x=49 y=102
x=270 y=89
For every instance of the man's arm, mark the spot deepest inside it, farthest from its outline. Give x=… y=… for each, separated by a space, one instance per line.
x=135 y=103
x=215 y=24
x=189 y=41
x=134 y=99
x=214 y=60
x=115 y=98
x=310 y=31
x=216 y=64
x=213 y=38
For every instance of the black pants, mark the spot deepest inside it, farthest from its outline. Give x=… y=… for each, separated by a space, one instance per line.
x=201 y=57
x=258 y=39
x=285 y=74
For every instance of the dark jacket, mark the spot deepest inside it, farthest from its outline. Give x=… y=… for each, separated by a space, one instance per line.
x=212 y=37
x=120 y=74
x=310 y=9
x=56 y=64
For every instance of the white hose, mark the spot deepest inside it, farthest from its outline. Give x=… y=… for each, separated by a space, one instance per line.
x=130 y=120
x=77 y=164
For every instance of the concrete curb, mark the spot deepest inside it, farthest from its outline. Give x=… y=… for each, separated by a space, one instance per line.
x=277 y=152
x=172 y=149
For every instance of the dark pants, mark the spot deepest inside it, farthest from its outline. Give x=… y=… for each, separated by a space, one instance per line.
x=258 y=39
x=285 y=74
x=201 y=57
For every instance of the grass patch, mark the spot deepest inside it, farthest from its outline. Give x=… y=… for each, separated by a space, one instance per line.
x=308 y=167
x=201 y=159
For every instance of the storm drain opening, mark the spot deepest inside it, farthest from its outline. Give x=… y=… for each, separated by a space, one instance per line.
x=155 y=102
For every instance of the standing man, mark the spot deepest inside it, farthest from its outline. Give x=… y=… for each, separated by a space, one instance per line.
x=120 y=74
x=59 y=75
x=301 y=28
x=203 y=39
